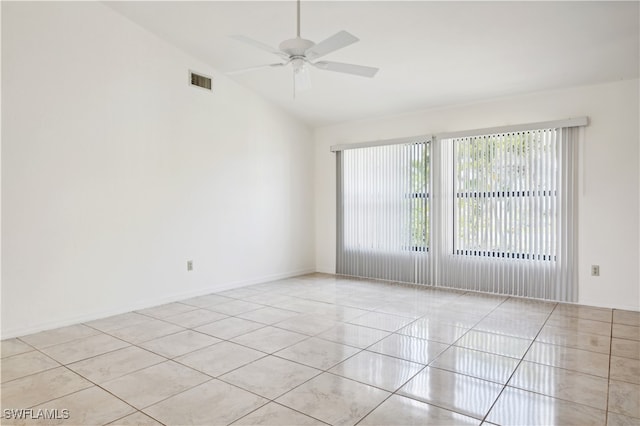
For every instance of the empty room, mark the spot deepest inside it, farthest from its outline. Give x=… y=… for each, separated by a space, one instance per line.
x=320 y=213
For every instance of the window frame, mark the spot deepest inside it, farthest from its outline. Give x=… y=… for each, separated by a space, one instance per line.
x=522 y=194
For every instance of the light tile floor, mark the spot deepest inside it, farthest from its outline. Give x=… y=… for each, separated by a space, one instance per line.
x=320 y=349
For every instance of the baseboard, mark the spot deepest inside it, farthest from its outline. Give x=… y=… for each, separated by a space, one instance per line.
x=582 y=303
x=121 y=309
x=267 y=278
x=610 y=306
x=326 y=270
x=185 y=295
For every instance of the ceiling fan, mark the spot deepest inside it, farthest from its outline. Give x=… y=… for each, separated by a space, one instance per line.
x=301 y=54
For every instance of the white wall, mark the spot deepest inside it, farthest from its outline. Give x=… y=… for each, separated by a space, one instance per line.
x=609 y=197
x=115 y=172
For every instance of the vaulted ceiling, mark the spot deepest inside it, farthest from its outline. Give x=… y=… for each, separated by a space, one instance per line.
x=430 y=54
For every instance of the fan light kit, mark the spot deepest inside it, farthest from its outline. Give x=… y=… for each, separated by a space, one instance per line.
x=302 y=53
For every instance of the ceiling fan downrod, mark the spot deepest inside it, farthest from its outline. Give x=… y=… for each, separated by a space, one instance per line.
x=298 y=20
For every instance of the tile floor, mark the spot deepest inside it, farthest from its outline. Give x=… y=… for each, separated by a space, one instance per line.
x=320 y=349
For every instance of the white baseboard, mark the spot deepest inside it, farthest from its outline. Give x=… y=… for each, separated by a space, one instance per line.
x=16 y=332
x=582 y=302
x=610 y=306
x=326 y=270
x=128 y=307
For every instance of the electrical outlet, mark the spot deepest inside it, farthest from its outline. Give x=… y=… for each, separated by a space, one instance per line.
x=595 y=270
x=189 y=265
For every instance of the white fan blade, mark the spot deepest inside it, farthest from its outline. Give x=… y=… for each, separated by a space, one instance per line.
x=333 y=43
x=257 y=67
x=259 y=45
x=346 y=68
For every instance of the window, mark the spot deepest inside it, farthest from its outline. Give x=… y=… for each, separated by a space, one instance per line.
x=383 y=218
x=487 y=211
x=506 y=195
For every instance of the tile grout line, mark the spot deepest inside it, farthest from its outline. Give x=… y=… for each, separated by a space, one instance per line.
x=368 y=309
x=277 y=403
x=450 y=345
x=606 y=415
x=366 y=384
x=321 y=371
x=244 y=365
x=428 y=365
x=92 y=384
x=506 y=383
x=113 y=422
x=170 y=359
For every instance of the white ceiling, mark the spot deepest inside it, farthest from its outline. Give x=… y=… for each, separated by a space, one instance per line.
x=430 y=54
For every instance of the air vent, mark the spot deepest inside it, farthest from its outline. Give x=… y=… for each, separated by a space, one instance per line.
x=200 y=80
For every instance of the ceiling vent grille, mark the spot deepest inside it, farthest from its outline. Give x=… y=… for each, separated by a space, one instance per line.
x=200 y=80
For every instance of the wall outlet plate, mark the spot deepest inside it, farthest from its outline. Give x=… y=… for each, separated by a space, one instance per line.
x=189 y=265
x=595 y=270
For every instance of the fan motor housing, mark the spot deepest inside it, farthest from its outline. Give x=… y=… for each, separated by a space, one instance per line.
x=296 y=46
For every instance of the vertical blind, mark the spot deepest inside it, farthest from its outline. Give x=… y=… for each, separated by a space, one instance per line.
x=492 y=212
x=383 y=211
